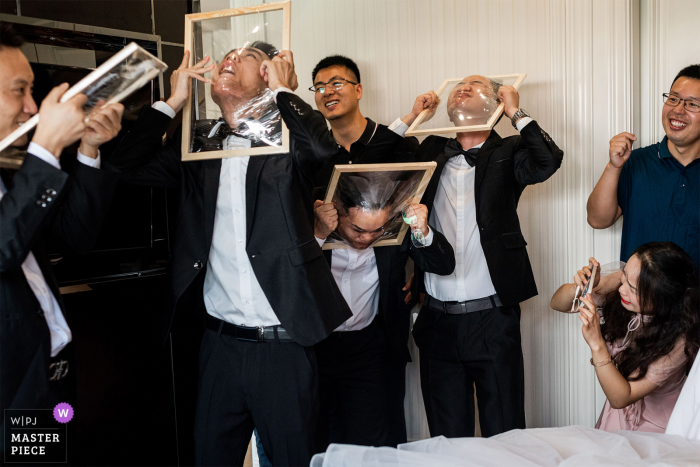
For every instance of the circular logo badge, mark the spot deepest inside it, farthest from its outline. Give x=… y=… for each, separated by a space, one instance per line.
x=63 y=412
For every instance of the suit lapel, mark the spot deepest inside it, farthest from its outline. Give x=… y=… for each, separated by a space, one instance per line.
x=255 y=165
x=212 y=172
x=328 y=254
x=383 y=257
x=431 y=190
x=492 y=143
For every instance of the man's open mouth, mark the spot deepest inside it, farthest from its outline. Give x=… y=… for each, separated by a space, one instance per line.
x=331 y=104
x=677 y=124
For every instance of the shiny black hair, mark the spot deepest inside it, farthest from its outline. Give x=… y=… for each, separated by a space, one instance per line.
x=9 y=37
x=691 y=71
x=336 y=60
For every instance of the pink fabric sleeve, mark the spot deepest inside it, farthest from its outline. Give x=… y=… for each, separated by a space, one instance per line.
x=661 y=369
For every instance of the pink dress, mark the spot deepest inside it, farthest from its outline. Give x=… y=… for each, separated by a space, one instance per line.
x=650 y=413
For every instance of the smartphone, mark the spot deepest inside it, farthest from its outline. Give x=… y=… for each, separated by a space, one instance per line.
x=589 y=286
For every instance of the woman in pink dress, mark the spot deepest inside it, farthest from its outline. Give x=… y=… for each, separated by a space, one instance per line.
x=649 y=337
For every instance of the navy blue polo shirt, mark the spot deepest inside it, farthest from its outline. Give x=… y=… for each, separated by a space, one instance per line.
x=660 y=201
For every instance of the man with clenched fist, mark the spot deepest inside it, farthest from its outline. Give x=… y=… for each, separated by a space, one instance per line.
x=656 y=188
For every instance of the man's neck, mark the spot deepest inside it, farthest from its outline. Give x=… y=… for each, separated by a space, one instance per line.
x=470 y=139
x=348 y=128
x=686 y=154
x=234 y=111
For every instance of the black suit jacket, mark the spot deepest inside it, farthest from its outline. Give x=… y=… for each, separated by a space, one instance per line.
x=378 y=145
x=394 y=314
x=504 y=167
x=41 y=200
x=280 y=243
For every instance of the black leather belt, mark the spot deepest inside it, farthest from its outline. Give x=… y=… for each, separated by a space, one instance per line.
x=249 y=333
x=461 y=308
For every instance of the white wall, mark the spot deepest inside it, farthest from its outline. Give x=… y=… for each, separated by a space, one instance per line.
x=670 y=41
x=583 y=86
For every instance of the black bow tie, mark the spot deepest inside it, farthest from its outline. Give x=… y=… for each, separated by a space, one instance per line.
x=453 y=148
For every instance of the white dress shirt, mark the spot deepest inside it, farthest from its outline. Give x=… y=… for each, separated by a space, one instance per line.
x=454 y=214
x=58 y=327
x=231 y=291
x=355 y=272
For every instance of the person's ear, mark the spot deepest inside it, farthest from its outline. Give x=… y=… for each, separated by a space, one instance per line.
x=359 y=91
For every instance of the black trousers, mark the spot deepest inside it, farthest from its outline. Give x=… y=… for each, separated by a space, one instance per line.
x=481 y=349
x=362 y=387
x=270 y=386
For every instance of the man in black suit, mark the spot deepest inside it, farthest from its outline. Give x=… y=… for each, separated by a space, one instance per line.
x=244 y=256
x=468 y=330
x=37 y=201
x=362 y=364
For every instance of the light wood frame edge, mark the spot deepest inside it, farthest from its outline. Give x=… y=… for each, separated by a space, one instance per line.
x=286 y=7
x=412 y=131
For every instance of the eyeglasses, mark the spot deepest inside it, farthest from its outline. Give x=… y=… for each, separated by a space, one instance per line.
x=335 y=84
x=691 y=105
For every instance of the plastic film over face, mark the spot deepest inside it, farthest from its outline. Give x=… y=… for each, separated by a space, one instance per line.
x=370 y=206
x=472 y=101
x=236 y=109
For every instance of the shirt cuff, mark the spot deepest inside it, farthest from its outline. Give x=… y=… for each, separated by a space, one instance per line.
x=429 y=237
x=43 y=154
x=279 y=90
x=320 y=241
x=399 y=127
x=165 y=108
x=89 y=161
x=520 y=124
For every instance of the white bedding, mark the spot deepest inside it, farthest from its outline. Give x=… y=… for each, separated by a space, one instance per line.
x=573 y=446
x=685 y=419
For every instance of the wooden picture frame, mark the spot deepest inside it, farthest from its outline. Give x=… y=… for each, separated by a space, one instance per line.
x=101 y=82
x=427 y=167
x=414 y=129
x=190 y=20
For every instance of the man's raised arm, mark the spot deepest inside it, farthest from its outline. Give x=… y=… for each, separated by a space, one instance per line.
x=603 y=207
x=307 y=127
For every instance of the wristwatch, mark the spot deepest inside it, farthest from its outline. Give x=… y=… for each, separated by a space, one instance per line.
x=520 y=113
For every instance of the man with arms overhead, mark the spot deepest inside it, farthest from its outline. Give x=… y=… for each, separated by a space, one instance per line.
x=245 y=257
x=468 y=330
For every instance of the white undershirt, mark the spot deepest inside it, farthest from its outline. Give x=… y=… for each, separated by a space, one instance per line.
x=454 y=214
x=58 y=327
x=231 y=290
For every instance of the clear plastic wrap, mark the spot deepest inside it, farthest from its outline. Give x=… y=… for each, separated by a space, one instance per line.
x=371 y=202
x=235 y=114
x=466 y=104
x=127 y=71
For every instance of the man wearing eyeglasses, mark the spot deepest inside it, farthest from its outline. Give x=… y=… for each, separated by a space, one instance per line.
x=656 y=188
x=362 y=364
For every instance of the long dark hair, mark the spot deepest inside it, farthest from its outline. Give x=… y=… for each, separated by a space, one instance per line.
x=668 y=291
